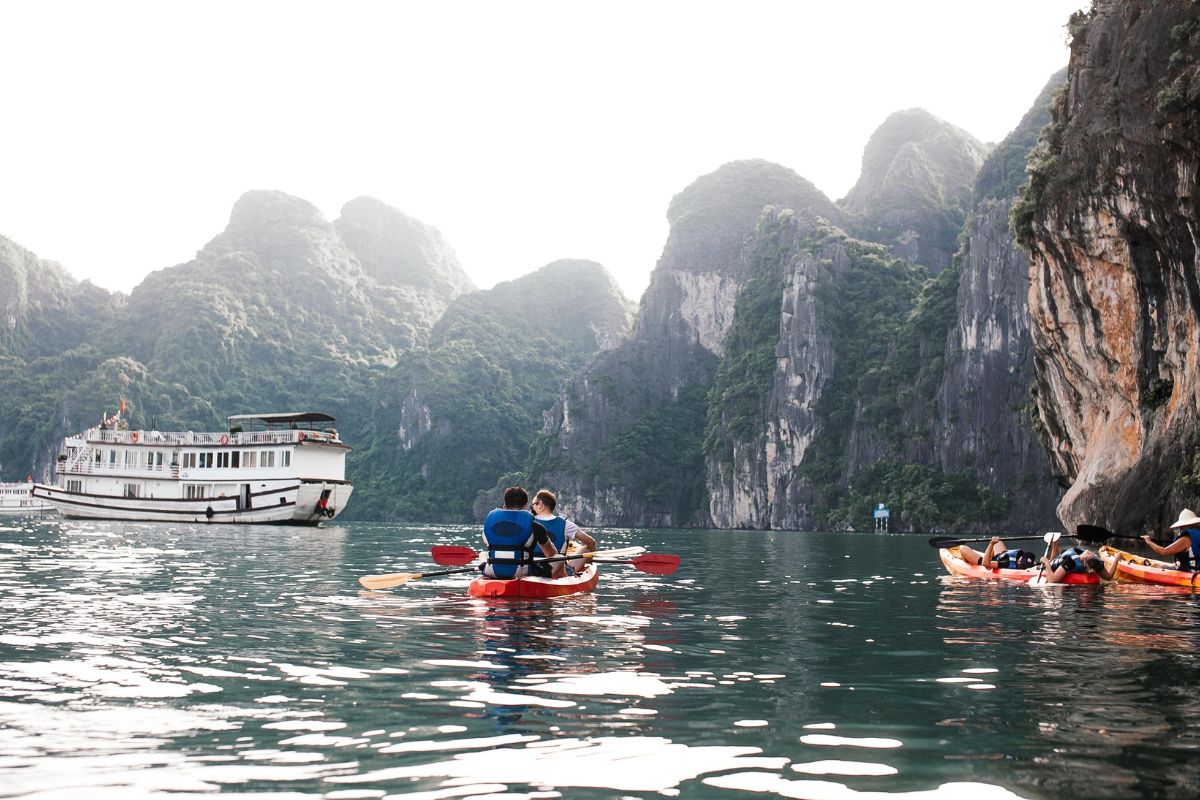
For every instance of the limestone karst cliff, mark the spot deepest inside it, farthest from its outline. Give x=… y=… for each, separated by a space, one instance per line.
x=985 y=413
x=1111 y=219
x=625 y=439
x=452 y=417
x=915 y=188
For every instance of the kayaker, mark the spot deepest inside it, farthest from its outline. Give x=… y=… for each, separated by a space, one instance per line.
x=562 y=530
x=997 y=556
x=1078 y=560
x=513 y=538
x=1186 y=547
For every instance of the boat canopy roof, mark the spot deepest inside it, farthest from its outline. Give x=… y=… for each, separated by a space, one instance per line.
x=281 y=420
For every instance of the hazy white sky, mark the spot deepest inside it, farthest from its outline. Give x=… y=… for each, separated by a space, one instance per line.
x=524 y=131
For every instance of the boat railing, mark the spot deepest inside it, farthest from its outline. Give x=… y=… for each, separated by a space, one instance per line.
x=192 y=438
x=105 y=468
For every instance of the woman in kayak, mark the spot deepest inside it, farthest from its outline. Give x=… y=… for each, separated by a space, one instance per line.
x=1186 y=547
x=997 y=556
x=1078 y=560
x=562 y=530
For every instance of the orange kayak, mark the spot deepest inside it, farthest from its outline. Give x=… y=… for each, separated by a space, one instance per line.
x=1139 y=569
x=955 y=565
x=536 y=587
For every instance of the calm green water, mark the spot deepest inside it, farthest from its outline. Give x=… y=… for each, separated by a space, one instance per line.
x=158 y=660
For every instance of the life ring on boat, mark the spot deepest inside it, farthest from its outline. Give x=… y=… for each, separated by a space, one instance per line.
x=299 y=436
x=133 y=437
x=224 y=438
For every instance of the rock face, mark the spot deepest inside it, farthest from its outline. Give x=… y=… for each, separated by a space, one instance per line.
x=624 y=442
x=984 y=402
x=1111 y=219
x=397 y=250
x=752 y=479
x=43 y=310
x=984 y=406
x=915 y=188
x=453 y=416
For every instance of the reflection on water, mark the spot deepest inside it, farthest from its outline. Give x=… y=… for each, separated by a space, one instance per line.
x=144 y=660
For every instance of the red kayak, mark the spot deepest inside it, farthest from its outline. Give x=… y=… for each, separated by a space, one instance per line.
x=955 y=565
x=536 y=587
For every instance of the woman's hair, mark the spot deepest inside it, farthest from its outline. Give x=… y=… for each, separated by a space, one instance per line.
x=546 y=498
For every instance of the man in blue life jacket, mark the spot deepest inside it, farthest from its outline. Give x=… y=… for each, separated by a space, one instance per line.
x=998 y=556
x=513 y=539
x=1186 y=547
x=562 y=530
x=1077 y=560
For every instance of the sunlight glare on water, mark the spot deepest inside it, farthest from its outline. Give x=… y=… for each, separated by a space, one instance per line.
x=163 y=660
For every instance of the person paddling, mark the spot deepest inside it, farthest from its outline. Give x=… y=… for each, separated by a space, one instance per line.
x=1186 y=547
x=997 y=556
x=512 y=538
x=562 y=530
x=1077 y=560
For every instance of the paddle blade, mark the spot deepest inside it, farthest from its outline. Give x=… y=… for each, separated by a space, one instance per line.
x=450 y=555
x=388 y=581
x=1093 y=533
x=657 y=563
x=1052 y=536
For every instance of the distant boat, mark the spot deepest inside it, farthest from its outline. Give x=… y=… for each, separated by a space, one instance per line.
x=283 y=469
x=17 y=498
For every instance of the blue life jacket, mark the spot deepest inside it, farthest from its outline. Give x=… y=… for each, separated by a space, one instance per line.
x=1190 y=558
x=557 y=528
x=509 y=537
x=1071 y=560
x=1014 y=559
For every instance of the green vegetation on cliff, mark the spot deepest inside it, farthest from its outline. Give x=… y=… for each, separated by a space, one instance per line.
x=737 y=400
x=888 y=323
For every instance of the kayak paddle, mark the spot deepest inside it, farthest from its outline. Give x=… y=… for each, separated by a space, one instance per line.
x=939 y=542
x=1050 y=539
x=652 y=563
x=450 y=555
x=1093 y=534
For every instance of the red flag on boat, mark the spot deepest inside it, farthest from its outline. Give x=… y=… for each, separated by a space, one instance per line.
x=122 y=405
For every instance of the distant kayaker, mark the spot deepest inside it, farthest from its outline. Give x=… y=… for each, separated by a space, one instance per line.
x=513 y=539
x=997 y=556
x=1077 y=560
x=1186 y=547
x=562 y=530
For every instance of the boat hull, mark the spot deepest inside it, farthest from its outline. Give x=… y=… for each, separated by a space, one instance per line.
x=955 y=565
x=585 y=581
x=1138 y=569
x=282 y=504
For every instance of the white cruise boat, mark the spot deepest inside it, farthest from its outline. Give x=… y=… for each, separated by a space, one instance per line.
x=17 y=498
x=287 y=469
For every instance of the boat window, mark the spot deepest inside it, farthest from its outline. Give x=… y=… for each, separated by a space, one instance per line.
x=235 y=459
x=132 y=489
x=252 y=459
x=75 y=486
x=206 y=460
x=223 y=460
x=285 y=458
x=112 y=458
x=195 y=492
